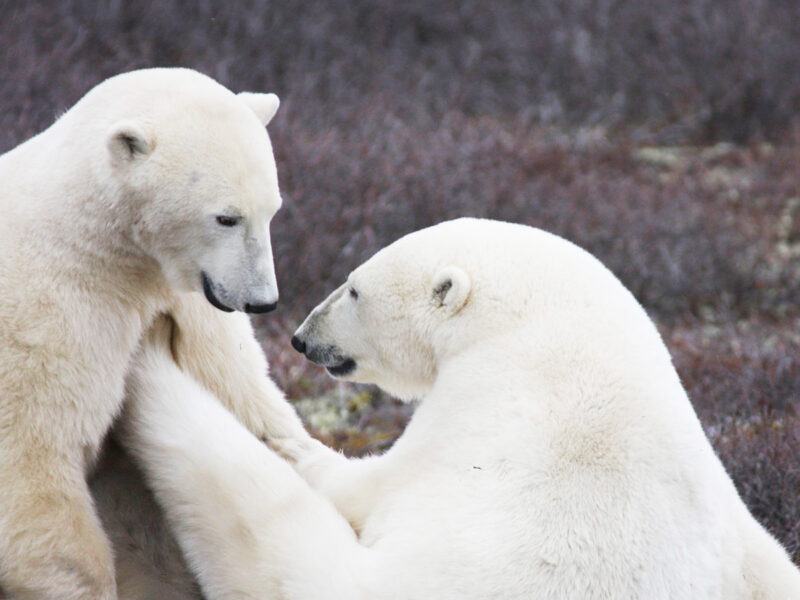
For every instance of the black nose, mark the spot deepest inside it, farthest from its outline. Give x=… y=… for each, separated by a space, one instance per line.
x=260 y=308
x=298 y=344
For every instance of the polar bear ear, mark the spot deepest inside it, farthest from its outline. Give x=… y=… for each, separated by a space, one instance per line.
x=450 y=289
x=127 y=141
x=264 y=105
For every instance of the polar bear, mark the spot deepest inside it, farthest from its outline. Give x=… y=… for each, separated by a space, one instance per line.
x=554 y=453
x=153 y=194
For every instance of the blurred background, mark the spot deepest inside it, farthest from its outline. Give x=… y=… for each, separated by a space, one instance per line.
x=664 y=137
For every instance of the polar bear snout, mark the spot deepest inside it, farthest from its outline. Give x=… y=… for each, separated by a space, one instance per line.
x=211 y=291
x=220 y=298
x=298 y=344
x=260 y=308
x=328 y=356
x=332 y=359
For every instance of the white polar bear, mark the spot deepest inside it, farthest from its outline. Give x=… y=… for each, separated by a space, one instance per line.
x=154 y=190
x=554 y=453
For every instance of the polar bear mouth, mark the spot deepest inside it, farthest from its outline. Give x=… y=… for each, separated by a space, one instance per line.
x=328 y=356
x=208 y=290
x=348 y=365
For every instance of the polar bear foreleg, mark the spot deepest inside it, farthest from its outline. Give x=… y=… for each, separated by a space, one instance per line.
x=220 y=352
x=248 y=524
x=51 y=541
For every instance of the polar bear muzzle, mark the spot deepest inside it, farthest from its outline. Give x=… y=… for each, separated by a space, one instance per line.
x=208 y=290
x=343 y=369
x=212 y=295
x=330 y=357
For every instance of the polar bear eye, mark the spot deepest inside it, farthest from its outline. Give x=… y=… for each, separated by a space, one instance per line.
x=353 y=293
x=228 y=221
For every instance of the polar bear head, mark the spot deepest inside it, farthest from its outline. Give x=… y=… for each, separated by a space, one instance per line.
x=391 y=322
x=438 y=293
x=190 y=166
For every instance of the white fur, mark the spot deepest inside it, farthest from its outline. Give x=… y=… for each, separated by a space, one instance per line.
x=110 y=217
x=554 y=453
x=264 y=105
